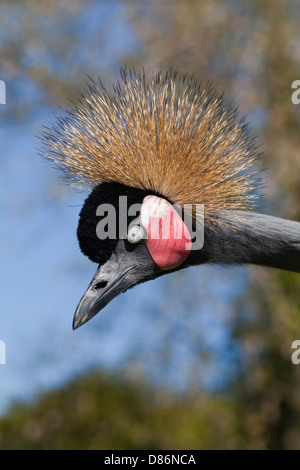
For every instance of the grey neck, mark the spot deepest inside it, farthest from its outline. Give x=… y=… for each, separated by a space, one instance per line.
x=257 y=239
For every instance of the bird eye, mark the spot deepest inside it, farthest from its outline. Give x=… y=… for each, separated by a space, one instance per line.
x=135 y=234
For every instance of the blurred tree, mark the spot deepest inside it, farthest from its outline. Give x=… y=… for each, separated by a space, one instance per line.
x=271 y=382
x=99 y=411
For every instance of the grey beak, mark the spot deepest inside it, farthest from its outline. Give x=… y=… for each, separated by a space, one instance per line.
x=108 y=281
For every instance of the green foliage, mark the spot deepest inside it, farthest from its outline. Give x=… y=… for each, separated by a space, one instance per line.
x=100 y=411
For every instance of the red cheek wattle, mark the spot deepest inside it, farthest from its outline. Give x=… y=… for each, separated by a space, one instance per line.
x=169 y=241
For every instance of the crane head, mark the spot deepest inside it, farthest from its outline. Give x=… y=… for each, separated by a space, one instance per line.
x=134 y=236
x=161 y=144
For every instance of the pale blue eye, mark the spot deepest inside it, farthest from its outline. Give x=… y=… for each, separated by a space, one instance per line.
x=135 y=234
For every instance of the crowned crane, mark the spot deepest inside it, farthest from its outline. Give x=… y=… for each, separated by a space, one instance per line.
x=181 y=156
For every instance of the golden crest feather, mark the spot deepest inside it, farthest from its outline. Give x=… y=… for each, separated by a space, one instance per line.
x=168 y=135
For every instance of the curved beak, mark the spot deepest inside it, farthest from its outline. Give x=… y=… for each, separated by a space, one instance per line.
x=107 y=283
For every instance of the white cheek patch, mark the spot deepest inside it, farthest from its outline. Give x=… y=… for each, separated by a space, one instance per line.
x=169 y=241
x=154 y=207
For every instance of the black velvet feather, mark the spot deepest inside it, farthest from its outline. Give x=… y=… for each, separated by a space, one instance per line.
x=98 y=250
